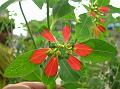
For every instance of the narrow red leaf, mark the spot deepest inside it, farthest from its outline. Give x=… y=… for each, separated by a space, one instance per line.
x=52 y=67
x=48 y=35
x=101 y=28
x=74 y=63
x=82 y=49
x=104 y=9
x=66 y=33
x=39 y=56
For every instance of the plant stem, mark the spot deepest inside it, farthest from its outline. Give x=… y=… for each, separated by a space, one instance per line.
x=48 y=21
x=29 y=30
x=115 y=76
x=52 y=24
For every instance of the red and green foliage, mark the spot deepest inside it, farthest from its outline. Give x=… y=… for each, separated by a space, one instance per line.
x=65 y=50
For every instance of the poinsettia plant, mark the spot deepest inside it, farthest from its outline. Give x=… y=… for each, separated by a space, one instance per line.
x=69 y=50
x=51 y=68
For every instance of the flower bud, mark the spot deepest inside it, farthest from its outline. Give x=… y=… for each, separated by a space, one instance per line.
x=93 y=14
x=101 y=28
x=102 y=20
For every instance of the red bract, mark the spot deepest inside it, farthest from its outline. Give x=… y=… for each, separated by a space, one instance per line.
x=101 y=28
x=103 y=9
x=93 y=14
x=39 y=55
x=82 y=49
x=52 y=67
x=74 y=63
x=96 y=32
x=47 y=35
x=102 y=20
x=66 y=33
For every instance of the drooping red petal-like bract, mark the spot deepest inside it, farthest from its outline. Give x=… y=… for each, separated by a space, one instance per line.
x=74 y=63
x=82 y=49
x=39 y=55
x=52 y=67
x=66 y=33
x=48 y=35
x=104 y=9
x=101 y=28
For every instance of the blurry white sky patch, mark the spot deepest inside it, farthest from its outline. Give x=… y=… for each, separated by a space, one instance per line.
x=19 y=32
x=115 y=3
x=79 y=8
x=32 y=12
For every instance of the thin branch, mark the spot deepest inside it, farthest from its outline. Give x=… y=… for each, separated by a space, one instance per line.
x=48 y=21
x=29 y=30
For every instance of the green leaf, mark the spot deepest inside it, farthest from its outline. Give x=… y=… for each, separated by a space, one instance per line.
x=39 y=3
x=102 y=51
x=114 y=9
x=86 y=7
x=83 y=30
x=71 y=85
x=21 y=66
x=66 y=73
x=69 y=16
x=92 y=1
x=34 y=76
x=77 y=0
x=49 y=81
x=7 y=3
x=52 y=2
x=37 y=26
x=61 y=9
x=103 y=2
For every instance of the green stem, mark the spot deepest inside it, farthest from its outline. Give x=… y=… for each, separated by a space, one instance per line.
x=52 y=24
x=29 y=30
x=115 y=76
x=48 y=21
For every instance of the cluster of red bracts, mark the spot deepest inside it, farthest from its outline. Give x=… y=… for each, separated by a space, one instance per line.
x=51 y=67
x=103 y=10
